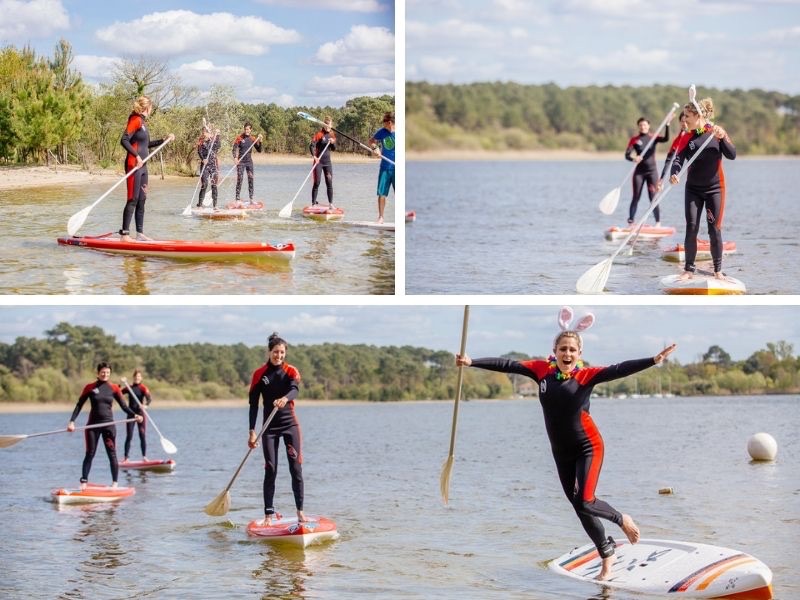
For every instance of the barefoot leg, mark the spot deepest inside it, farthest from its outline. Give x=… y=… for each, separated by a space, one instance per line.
x=605 y=569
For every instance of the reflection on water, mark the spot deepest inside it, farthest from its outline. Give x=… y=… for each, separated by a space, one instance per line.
x=135 y=282
x=283 y=572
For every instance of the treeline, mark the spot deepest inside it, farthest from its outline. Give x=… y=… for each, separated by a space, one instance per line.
x=495 y=116
x=49 y=114
x=56 y=367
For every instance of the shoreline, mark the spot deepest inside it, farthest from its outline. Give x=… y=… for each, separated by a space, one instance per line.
x=544 y=155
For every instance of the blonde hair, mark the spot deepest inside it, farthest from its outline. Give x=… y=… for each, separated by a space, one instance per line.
x=328 y=119
x=706 y=106
x=568 y=334
x=141 y=104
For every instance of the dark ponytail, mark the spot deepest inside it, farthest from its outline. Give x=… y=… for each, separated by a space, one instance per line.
x=276 y=340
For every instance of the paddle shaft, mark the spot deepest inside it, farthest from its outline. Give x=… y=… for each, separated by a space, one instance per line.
x=240 y=160
x=286 y=211
x=249 y=450
x=341 y=133
x=460 y=381
x=144 y=411
x=95 y=426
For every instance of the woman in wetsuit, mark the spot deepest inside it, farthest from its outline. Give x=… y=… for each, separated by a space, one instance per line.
x=705 y=182
x=324 y=165
x=677 y=145
x=565 y=387
x=278 y=382
x=101 y=395
x=140 y=396
x=136 y=141
x=646 y=169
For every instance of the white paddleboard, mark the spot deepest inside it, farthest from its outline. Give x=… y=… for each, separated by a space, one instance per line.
x=370 y=225
x=675 y=568
x=702 y=284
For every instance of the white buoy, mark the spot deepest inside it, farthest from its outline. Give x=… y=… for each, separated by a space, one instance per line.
x=762 y=446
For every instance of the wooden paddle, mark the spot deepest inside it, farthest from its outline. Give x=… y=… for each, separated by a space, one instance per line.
x=220 y=505
x=168 y=446
x=286 y=211
x=609 y=202
x=313 y=119
x=444 y=478
x=77 y=220
x=594 y=279
x=10 y=440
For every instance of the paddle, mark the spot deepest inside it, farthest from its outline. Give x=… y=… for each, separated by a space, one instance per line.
x=594 y=279
x=609 y=202
x=77 y=220
x=313 y=119
x=222 y=503
x=168 y=446
x=219 y=185
x=10 y=440
x=286 y=211
x=444 y=478
x=188 y=210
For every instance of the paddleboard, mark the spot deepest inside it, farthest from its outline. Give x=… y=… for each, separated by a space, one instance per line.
x=92 y=494
x=323 y=213
x=411 y=216
x=673 y=568
x=159 y=466
x=244 y=204
x=182 y=249
x=370 y=225
x=648 y=232
x=315 y=530
x=218 y=214
x=677 y=253
x=702 y=283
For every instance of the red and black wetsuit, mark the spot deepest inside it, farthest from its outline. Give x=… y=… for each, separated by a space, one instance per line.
x=143 y=396
x=242 y=152
x=646 y=170
x=207 y=150
x=325 y=165
x=705 y=187
x=272 y=382
x=101 y=395
x=575 y=441
x=136 y=141
x=677 y=145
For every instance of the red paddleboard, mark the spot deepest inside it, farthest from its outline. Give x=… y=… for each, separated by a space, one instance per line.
x=646 y=233
x=159 y=466
x=411 y=216
x=183 y=249
x=92 y=494
x=244 y=204
x=677 y=253
x=319 y=212
x=314 y=530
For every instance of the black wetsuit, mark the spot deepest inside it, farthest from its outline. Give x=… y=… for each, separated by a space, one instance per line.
x=272 y=382
x=207 y=150
x=705 y=188
x=142 y=395
x=136 y=141
x=646 y=170
x=574 y=438
x=242 y=151
x=101 y=395
x=324 y=165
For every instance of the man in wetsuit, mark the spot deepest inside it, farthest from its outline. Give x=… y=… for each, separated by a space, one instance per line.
x=243 y=147
x=646 y=169
x=207 y=148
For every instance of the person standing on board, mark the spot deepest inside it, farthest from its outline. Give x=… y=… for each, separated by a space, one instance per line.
x=677 y=145
x=140 y=396
x=565 y=388
x=278 y=383
x=208 y=148
x=646 y=169
x=384 y=137
x=705 y=182
x=324 y=165
x=101 y=395
x=136 y=141
x=243 y=147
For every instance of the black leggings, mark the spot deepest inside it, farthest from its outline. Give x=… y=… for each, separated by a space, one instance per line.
x=651 y=177
x=91 y=436
x=135 y=203
x=318 y=171
x=714 y=202
x=239 y=169
x=292 y=440
x=129 y=437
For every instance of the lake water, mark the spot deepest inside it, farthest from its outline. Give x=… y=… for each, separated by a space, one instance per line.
x=374 y=469
x=533 y=227
x=331 y=258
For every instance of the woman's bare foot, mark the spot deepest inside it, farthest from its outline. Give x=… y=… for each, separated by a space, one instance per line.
x=605 y=569
x=685 y=275
x=719 y=275
x=630 y=529
x=301 y=518
x=113 y=484
x=140 y=237
x=125 y=238
x=83 y=485
x=266 y=521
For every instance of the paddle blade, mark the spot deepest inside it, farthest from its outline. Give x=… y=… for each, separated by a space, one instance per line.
x=220 y=505
x=609 y=202
x=10 y=440
x=77 y=220
x=286 y=211
x=444 y=478
x=594 y=280
x=168 y=446
x=187 y=212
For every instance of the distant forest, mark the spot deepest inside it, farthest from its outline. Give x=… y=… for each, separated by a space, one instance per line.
x=496 y=116
x=55 y=369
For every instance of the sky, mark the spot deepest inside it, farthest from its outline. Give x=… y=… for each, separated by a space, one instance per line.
x=712 y=43
x=291 y=52
x=620 y=332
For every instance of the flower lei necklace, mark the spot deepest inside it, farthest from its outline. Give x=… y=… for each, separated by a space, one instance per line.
x=560 y=375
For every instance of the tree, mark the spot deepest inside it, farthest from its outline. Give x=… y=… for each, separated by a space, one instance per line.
x=718 y=356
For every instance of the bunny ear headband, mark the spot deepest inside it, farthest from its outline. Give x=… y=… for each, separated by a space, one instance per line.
x=565 y=318
x=693 y=100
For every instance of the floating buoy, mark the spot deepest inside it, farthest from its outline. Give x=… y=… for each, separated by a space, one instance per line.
x=762 y=446
x=666 y=491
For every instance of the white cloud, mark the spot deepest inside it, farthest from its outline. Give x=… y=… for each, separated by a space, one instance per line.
x=203 y=74
x=25 y=20
x=362 y=45
x=178 y=32
x=788 y=34
x=437 y=66
x=339 y=85
x=95 y=68
x=366 y=6
x=630 y=59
